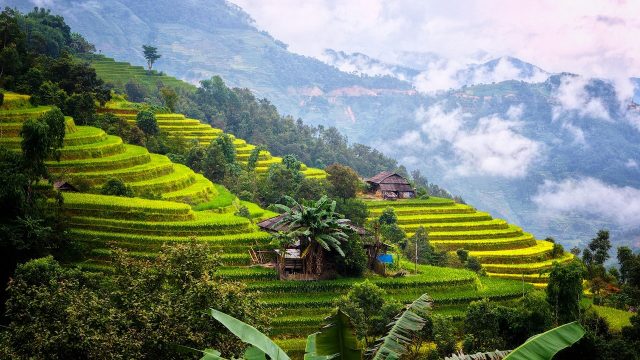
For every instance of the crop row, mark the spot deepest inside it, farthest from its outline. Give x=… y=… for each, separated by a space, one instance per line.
x=84 y=135
x=540 y=252
x=22 y=115
x=496 y=224
x=527 y=268
x=200 y=191
x=111 y=145
x=530 y=278
x=247 y=273
x=511 y=231
x=522 y=241
x=178 y=179
x=498 y=291
x=79 y=201
x=432 y=201
x=415 y=210
x=132 y=156
x=443 y=218
x=247 y=238
x=159 y=165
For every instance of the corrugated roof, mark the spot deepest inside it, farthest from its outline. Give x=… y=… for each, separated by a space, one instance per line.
x=387 y=177
x=396 y=187
x=379 y=177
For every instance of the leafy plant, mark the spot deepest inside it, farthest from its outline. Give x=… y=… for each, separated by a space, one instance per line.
x=318 y=227
x=394 y=344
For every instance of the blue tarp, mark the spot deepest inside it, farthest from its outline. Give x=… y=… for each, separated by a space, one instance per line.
x=385 y=258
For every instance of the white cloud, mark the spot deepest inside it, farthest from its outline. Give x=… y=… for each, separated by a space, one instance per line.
x=576 y=132
x=631 y=164
x=493 y=146
x=572 y=97
x=592 y=197
x=442 y=75
x=595 y=38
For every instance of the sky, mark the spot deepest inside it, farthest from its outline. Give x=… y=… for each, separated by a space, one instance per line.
x=592 y=38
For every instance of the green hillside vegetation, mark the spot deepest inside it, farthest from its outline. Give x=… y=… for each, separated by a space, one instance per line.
x=504 y=250
x=240 y=113
x=141 y=226
x=120 y=73
x=180 y=128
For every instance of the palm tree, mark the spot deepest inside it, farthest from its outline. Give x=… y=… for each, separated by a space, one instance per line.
x=318 y=228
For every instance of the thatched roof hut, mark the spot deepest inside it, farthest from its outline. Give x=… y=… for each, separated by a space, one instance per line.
x=390 y=185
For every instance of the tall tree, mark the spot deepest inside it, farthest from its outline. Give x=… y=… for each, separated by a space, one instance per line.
x=564 y=291
x=151 y=55
x=344 y=181
x=600 y=246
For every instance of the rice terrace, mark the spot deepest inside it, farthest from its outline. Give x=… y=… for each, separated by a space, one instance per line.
x=153 y=212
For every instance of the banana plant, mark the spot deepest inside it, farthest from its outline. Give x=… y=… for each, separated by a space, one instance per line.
x=393 y=345
x=317 y=225
x=261 y=345
x=538 y=347
x=336 y=340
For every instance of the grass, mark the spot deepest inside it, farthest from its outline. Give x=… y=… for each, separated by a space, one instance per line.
x=617 y=319
x=105 y=202
x=224 y=199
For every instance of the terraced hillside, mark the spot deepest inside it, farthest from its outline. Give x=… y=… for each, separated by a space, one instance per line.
x=90 y=157
x=119 y=73
x=141 y=226
x=504 y=250
x=177 y=125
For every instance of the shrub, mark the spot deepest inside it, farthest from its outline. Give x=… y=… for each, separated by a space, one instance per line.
x=463 y=255
x=49 y=94
x=1 y=98
x=81 y=107
x=557 y=251
x=135 y=91
x=243 y=211
x=354 y=262
x=353 y=209
x=388 y=216
x=473 y=264
x=116 y=187
x=344 y=181
x=146 y=121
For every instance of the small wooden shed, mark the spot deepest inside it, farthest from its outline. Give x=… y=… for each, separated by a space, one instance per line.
x=290 y=261
x=389 y=185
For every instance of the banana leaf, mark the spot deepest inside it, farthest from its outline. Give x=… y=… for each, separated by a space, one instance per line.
x=394 y=344
x=337 y=340
x=546 y=345
x=251 y=336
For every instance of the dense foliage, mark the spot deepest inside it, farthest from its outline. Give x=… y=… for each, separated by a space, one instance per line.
x=40 y=62
x=141 y=311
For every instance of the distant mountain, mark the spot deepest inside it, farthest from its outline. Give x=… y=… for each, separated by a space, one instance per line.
x=556 y=153
x=361 y=64
x=436 y=71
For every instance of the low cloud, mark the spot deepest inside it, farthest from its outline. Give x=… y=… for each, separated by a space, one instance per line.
x=573 y=98
x=442 y=75
x=492 y=146
x=631 y=164
x=591 y=197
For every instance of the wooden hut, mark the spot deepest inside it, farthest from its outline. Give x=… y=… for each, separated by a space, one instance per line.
x=290 y=261
x=64 y=186
x=389 y=185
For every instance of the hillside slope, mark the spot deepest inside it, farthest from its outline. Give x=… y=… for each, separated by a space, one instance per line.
x=141 y=226
x=572 y=144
